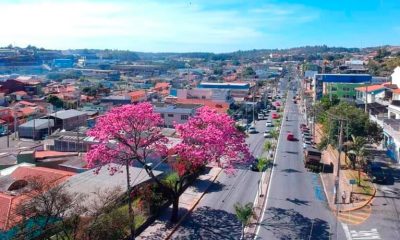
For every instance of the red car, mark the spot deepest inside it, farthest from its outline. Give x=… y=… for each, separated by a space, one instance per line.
x=290 y=137
x=278 y=104
x=275 y=116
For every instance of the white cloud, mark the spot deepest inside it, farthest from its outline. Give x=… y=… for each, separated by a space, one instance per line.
x=143 y=25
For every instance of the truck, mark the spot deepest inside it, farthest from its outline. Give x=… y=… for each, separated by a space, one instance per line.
x=312 y=157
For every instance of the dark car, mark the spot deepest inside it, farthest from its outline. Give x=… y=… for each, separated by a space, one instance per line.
x=376 y=173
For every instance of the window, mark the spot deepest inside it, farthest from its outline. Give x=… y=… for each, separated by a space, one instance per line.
x=184 y=117
x=162 y=115
x=334 y=89
x=203 y=97
x=170 y=115
x=346 y=89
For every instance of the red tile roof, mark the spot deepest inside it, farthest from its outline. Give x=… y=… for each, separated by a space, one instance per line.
x=8 y=203
x=370 y=88
x=27 y=103
x=161 y=85
x=47 y=154
x=397 y=90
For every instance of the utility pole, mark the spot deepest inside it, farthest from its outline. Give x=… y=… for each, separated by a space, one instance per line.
x=338 y=175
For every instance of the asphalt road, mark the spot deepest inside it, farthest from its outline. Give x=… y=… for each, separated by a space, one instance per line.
x=296 y=206
x=384 y=222
x=214 y=217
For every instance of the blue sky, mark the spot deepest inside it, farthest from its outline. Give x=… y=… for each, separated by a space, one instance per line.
x=198 y=25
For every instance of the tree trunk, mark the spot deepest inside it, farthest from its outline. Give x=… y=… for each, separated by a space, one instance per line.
x=175 y=208
x=359 y=176
x=130 y=210
x=242 y=231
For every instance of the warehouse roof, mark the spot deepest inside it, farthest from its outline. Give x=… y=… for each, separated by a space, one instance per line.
x=65 y=114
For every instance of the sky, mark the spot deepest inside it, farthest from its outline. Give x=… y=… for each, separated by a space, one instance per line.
x=198 y=25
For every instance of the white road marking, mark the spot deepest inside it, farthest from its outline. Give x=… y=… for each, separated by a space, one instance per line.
x=272 y=174
x=372 y=234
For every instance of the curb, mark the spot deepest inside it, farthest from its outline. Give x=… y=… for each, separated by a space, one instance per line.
x=349 y=210
x=367 y=202
x=178 y=224
x=262 y=205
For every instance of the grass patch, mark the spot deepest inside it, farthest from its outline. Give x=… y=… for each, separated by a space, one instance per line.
x=366 y=186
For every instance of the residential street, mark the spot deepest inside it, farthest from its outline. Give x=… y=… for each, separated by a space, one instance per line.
x=296 y=206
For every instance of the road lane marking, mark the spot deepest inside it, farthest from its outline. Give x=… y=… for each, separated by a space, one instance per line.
x=360 y=235
x=272 y=172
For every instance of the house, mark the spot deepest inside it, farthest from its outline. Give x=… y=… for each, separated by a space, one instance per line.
x=175 y=113
x=370 y=92
x=70 y=141
x=68 y=119
x=36 y=129
x=102 y=180
x=137 y=96
x=215 y=94
x=220 y=107
x=117 y=100
x=12 y=186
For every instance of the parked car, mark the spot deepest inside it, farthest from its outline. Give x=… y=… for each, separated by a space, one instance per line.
x=269 y=123
x=302 y=125
x=376 y=173
x=261 y=116
x=275 y=116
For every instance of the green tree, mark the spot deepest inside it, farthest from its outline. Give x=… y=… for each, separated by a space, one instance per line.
x=357 y=124
x=55 y=101
x=357 y=147
x=274 y=134
x=249 y=72
x=244 y=213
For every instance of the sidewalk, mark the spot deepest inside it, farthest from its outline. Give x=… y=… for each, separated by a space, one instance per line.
x=259 y=204
x=328 y=181
x=162 y=228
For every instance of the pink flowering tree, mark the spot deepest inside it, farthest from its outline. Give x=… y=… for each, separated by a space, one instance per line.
x=208 y=138
x=130 y=133
x=126 y=135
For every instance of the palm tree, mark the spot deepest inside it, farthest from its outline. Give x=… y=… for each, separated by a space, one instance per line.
x=244 y=214
x=274 y=134
x=357 y=147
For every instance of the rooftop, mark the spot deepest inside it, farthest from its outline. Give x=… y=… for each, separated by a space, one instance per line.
x=65 y=114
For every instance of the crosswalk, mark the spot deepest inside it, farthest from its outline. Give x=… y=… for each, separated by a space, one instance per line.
x=371 y=234
x=355 y=217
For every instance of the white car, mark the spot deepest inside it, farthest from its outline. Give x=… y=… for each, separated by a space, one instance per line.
x=269 y=124
x=267 y=134
x=252 y=129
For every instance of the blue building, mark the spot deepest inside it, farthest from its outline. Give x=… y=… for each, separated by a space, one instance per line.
x=321 y=81
x=232 y=86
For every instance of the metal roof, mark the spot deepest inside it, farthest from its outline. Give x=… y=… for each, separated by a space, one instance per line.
x=89 y=183
x=38 y=123
x=65 y=114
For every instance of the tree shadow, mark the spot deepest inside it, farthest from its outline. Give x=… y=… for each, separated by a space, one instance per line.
x=210 y=224
x=290 y=170
x=290 y=224
x=202 y=186
x=297 y=201
x=291 y=152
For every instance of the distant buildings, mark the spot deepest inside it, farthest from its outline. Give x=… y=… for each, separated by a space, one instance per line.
x=175 y=113
x=343 y=85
